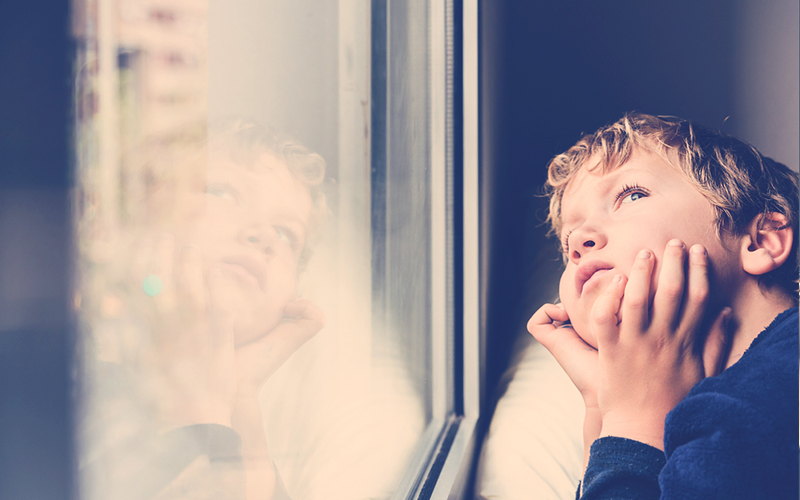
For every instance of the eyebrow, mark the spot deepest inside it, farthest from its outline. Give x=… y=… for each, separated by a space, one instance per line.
x=224 y=183
x=227 y=176
x=605 y=183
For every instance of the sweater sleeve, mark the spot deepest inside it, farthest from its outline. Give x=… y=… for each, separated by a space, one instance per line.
x=716 y=446
x=622 y=468
x=198 y=461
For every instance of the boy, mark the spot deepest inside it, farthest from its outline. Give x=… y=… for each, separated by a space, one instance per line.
x=173 y=408
x=687 y=365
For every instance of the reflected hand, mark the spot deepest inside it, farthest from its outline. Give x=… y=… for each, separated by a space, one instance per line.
x=185 y=360
x=258 y=360
x=255 y=363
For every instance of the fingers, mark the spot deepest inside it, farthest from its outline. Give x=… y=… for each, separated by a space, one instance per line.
x=258 y=360
x=140 y=263
x=697 y=289
x=578 y=359
x=605 y=310
x=190 y=280
x=306 y=315
x=716 y=349
x=669 y=294
x=636 y=306
x=220 y=357
x=152 y=291
x=550 y=326
x=220 y=318
x=157 y=280
x=546 y=318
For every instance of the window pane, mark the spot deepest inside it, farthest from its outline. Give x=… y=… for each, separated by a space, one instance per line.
x=253 y=217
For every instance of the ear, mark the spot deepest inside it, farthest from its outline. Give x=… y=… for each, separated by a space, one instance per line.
x=766 y=244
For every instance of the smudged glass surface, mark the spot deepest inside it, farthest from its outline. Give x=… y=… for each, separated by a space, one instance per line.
x=252 y=271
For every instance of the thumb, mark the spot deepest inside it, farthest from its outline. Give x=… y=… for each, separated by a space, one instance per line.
x=715 y=350
x=221 y=320
x=308 y=318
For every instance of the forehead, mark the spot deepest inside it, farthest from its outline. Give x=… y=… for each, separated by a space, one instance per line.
x=596 y=178
x=268 y=180
x=267 y=171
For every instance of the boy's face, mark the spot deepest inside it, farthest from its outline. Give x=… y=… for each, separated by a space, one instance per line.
x=250 y=223
x=609 y=218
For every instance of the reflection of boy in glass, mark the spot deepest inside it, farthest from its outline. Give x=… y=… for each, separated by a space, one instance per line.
x=225 y=245
x=687 y=364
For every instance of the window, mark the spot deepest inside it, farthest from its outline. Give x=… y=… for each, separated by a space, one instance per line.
x=277 y=234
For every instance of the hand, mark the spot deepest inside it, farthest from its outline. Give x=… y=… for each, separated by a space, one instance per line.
x=255 y=363
x=258 y=360
x=183 y=362
x=650 y=359
x=550 y=326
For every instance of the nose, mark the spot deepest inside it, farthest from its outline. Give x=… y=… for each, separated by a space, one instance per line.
x=261 y=237
x=584 y=240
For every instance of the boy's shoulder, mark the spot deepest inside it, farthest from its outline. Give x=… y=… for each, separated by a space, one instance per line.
x=783 y=329
x=741 y=426
x=769 y=363
x=761 y=389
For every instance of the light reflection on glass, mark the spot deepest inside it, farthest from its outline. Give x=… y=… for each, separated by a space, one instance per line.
x=228 y=348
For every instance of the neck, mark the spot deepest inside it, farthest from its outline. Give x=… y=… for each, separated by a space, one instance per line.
x=753 y=311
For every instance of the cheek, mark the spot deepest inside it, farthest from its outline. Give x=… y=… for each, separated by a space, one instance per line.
x=258 y=314
x=282 y=285
x=563 y=291
x=578 y=313
x=205 y=231
x=566 y=293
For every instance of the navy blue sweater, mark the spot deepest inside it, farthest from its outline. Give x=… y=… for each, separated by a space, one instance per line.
x=735 y=436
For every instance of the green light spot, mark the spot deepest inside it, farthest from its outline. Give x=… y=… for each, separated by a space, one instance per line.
x=152 y=285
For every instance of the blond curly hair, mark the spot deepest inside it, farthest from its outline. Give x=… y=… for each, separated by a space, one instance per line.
x=740 y=183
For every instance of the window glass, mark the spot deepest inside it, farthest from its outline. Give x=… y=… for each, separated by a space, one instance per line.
x=253 y=217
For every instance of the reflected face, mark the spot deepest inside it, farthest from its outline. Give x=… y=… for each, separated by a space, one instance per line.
x=608 y=219
x=251 y=223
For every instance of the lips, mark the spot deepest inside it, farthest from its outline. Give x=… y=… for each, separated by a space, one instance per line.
x=253 y=267
x=585 y=272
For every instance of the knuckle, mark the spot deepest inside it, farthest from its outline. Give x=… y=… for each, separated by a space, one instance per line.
x=698 y=262
x=671 y=290
x=698 y=292
x=602 y=315
x=636 y=301
x=641 y=265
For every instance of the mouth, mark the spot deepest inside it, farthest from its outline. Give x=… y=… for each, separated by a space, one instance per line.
x=587 y=271
x=247 y=268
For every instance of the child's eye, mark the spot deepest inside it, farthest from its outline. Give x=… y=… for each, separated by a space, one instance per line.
x=633 y=197
x=630 y=194
x=287 y=235
x=222 y=191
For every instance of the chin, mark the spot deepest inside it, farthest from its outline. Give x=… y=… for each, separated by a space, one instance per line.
x=592 y=341
x=582 y=329
x=251 y=329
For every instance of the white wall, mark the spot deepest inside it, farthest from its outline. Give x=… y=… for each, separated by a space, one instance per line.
x=276 y=61
x=767 y=87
